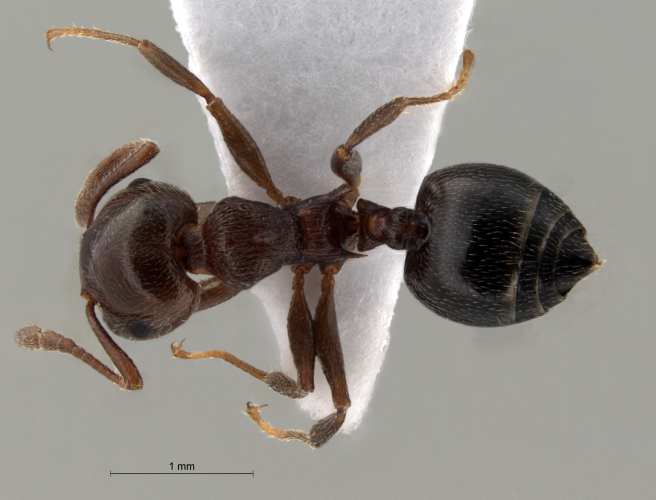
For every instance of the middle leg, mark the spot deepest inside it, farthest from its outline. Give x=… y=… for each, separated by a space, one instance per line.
x=308 y=338
x=329 y=351
x=301 y=339
x=239 y=141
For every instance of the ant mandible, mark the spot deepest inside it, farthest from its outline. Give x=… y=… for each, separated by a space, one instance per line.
x=486 y=245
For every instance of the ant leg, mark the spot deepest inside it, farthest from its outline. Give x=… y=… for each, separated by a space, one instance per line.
x=329 y=352
x=328 y=345
x=319 y=435
x=277 y=381
x=325 y=344
x=300 y=330
x=347 y=164
x=110 y=171
x=213 y=292
x=32 y=337
x=239 y=141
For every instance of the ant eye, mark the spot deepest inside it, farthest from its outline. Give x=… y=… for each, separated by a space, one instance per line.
x=139 y=329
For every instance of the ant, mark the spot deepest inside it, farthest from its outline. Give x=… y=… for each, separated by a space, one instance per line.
x=485 y=245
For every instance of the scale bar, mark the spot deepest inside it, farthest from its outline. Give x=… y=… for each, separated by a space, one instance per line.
x=182 y=473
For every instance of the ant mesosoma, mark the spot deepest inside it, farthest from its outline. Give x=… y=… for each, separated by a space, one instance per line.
x=485 y=245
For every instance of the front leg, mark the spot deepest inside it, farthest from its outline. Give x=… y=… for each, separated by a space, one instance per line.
x=116 y=167
x=32 y=337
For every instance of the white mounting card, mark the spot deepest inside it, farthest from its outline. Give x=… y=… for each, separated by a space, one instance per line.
x=300 y=75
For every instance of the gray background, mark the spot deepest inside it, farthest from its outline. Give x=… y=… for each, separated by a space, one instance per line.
x=561 y=407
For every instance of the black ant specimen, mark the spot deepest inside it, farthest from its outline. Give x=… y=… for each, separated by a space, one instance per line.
x=485 y=245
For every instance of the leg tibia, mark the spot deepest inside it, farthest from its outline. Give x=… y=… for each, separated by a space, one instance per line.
x=284 y=385
x=346 y=165
x=164 y=63
x=239 y=141
x=32 y=337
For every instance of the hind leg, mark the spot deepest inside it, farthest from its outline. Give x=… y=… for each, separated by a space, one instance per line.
x=347 y=164
x=329 y=351
x=308 y=338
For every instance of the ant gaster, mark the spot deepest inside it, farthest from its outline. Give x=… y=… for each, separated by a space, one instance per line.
x=485 y=246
